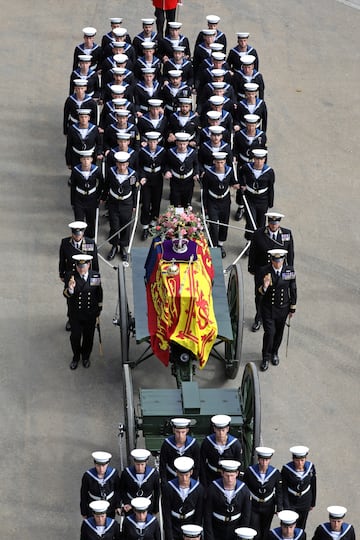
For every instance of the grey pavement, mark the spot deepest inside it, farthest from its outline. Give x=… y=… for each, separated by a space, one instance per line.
x=52 y=419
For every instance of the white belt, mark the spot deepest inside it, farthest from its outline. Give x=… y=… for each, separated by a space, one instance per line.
x=299 y=493
x=96 y=498
x=171 y=470
x=144 y=108
x=73 y=119
x=78 y=151
x=262 y=500
x=215 y=469
x=149 y=169
x=83 y=192
x=118 y=197
x=219 y=196
x=226 y=518
x=256 y=192
x=182 y=516
x=182 y=176
x=244 y=158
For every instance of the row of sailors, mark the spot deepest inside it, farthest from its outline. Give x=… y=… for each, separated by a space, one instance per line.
x=220 y=502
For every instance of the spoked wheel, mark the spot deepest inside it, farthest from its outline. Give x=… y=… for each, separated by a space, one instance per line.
x=124 y=316
x=129 y=408
x=251 y=411
x=235 y=296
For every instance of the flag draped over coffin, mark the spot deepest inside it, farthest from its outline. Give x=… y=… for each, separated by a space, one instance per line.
x=180 y=307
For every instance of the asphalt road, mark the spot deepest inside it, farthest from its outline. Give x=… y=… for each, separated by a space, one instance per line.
x=52 y=418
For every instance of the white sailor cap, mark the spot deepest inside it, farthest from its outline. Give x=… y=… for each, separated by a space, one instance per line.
x=242 y=35
x=82 y=259
x=251 y=87
x=208 y=31
x=117 y=44
x=121 y=58
x=186 y=100
x=274 y=216
x=217 y=72
x=84 y=57
x=85 y=153
x=89 y=31
x=264 y=451
x=279 y=254
x=116 y=20
x=148 y=70
x=123 y=136
x=118 y=70
x=229 y=465
x=216 y=46
x=183 y=464
x=140 y=454
x=213 y=115
x=216 y=130
x=175 y=73
x=117 y=89
x=247 y=59
x=152 y=102
x=121 y=101
x=140 y=503
x=251 y=118
x=78 y=225
x=180 y=422
x=219 y=85
x=101 y=457
x=120 y=31
x=220 y=155
x=288 y=517
x=175 y=24
x=148 y=45
x=99 y=507
x=217 y=55
x=191 y=531
x=182 y=136
x=245 y=532
x=80 y=82
x=259 y=153
x=84 y=111
x=337 y=512
x=212 y=19
x=122 y=112
x=147 y=21
x=298 y=451
x=153 y=135
x=221 y=420
x=216 y=100
x=178 y=48
x=122 y=157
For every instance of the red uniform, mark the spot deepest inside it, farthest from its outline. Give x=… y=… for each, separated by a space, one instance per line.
x=165 y=4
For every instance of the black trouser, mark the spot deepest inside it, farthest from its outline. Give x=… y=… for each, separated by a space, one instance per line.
x=120 y=213
x=273 y=331
x=260 y=520
x=87 y=214
x=258 y=206
x=151 y=194
x=160 y=15
x=82 y=335
x=258 y=299
x=181 y=192
x=218 y=210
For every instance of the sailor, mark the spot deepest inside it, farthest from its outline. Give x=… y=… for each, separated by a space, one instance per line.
x=85 y=71
x=148 y=60
x=288 y=530
x=140 y=480
x=186 y=120
x=271 y=236
x=299 y=484
x=247 y=74
x=242 y=48
x=141 y=524
x=83 y=135
x=109 y=37
x=264 y=483
x=178 y=61
x=216 y=447
x=191 y=531
x=227 y=503
x=99 y=526
x=122 y=125
x=89 y=47
x=336 y=527
x=182 y=500
x=173 y=89
x=179 y=444
x=211 y=145
x=250 y=104
x=147 y=34
x=101 y=482
x=78 y=100
x=172 y=39
x=203 y=50
x=212 y=24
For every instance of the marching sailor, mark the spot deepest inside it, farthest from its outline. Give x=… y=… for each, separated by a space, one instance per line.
x=141 y=525
x=100 y=526
x=140 y=480
x=288 y=529
x=336 y=527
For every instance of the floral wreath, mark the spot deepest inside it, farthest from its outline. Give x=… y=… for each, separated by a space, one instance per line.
x=179 y=223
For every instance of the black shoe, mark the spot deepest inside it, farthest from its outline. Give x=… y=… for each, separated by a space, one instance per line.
x=275 y=360
x=74 y=363
x=123 y=254
x=86 y=362
x=145 y=234
x=256 y=326
x=239 y=213
x=264 y=365
x=112 y=253
x=223 y=252
x=68 y=326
